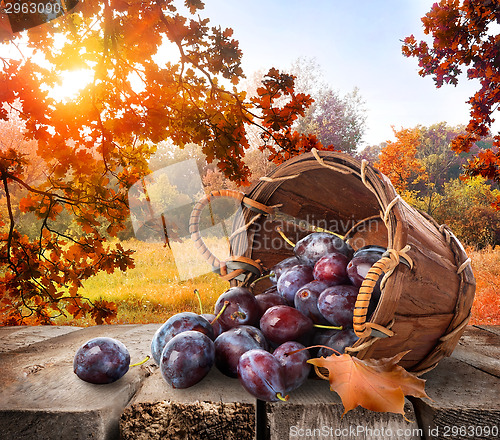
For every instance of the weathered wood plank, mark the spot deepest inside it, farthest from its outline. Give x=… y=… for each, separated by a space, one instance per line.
x=480 y=348
x=41 y=397
x=217 y=408
x=464 y=402
x=314 y=412
x=13 y=338
x=490 y=328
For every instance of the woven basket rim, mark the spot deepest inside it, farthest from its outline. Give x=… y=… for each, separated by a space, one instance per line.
x=390 y=204
x=396 y=214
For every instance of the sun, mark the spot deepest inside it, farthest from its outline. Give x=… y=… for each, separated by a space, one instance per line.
x=72 y=82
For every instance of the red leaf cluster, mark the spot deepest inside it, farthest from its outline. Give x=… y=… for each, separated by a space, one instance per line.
x=462 y=41
x=95 y=146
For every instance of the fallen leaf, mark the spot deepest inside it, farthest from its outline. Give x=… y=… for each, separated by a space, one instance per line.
x=375 y=384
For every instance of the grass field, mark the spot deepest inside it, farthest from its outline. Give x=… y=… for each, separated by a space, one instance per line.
x=153 y=290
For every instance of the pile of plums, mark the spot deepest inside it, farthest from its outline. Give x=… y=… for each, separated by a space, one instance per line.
x=262 y=339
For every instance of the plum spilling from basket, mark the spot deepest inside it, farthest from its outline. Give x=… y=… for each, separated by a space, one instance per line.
x=262 y=339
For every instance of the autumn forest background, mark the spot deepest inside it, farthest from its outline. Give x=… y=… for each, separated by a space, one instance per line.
x=68 y=250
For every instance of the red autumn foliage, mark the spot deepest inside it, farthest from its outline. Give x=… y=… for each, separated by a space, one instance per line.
x=95 y=146
x=398 y=159
x=462 y=40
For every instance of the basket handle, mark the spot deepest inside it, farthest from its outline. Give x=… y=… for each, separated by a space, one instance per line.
x=386 y=263
x=194 y=229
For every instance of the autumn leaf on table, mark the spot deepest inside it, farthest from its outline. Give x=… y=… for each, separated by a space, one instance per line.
x=375 y=384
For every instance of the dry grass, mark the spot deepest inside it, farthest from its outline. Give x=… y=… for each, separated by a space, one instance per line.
x=153 y=290
x=486 y=268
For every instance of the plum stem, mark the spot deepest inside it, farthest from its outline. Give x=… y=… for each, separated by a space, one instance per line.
x=197 y=293
x=141 y=362
x=226 y=303
x=263 y=277
x=312 y=346
x=280 y=396
x=280 y=231
x=329 y=327
x=318 y=229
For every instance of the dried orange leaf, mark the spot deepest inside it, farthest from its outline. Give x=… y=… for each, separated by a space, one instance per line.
x=375 y=384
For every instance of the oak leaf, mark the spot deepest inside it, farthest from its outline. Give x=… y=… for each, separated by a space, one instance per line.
x=375 y=384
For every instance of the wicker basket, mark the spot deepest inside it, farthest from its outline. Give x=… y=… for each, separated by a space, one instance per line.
x=428 y=286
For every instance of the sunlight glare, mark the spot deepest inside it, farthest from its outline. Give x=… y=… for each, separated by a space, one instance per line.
x=72 y=82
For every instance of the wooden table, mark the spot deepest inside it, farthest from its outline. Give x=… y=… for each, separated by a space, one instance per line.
x=41 y=397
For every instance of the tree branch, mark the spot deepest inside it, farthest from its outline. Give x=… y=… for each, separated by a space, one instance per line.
x=11 y=220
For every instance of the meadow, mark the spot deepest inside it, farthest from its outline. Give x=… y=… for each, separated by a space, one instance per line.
x=154 y=290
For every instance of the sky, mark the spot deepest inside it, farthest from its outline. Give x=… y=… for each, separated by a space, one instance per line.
x=357 y=44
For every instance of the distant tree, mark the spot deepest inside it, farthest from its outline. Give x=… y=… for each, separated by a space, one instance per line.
x=464 y=37
x=258 y=162
x=466 y=207
x=335 y=120
x=214 y=180
x=398 y=159
x=440 y=162
x=431 y=149
x=371 y=152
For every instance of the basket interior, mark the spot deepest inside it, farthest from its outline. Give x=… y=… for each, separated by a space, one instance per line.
x=321 y=197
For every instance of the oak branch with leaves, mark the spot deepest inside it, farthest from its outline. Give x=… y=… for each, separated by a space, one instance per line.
x=465 y=37
x=96 y=145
